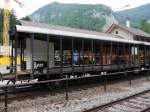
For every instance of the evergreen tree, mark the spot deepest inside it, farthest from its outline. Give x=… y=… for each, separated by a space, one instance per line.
x=145 y=26
x=26 y=18
x=13 y=19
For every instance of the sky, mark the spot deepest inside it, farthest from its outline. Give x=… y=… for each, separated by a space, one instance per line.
x=31 y=5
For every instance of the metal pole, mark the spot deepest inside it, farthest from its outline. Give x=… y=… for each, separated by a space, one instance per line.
x=145 y=53
x=72 y=49
x=130 y=74
x=124 y=46
x=6 y=99
x=92 y=47
x=105 y=54
x=101 y=47
x=12 y=55
x=61 y=57
x=148 y=62
x=83 y=57
x=145 y=57
x=21 y=53
x=139 y=56
x=149 y=56
x=105 y=75
x=134 y=57
x=129 y=54
x=48 y=51
x=79 y=48
x=66 y=88
x=32 y=54
x=111 y=53
x=119 y=57
x=16 y=43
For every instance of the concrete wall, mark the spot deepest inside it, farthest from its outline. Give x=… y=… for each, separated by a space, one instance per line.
x=123 y=33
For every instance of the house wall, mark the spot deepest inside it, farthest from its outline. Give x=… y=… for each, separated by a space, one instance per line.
x=122 y=33
x=40 y=52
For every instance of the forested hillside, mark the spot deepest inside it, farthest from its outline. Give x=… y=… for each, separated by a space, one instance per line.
x=90 y=17
x=136 y=15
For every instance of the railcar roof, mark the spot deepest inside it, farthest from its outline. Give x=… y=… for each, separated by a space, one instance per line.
x=30 y=27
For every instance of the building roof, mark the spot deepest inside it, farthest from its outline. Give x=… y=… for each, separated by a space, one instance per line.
x=134 y=31
x=30 y=27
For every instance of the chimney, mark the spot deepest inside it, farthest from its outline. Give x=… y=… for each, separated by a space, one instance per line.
x=127 y=22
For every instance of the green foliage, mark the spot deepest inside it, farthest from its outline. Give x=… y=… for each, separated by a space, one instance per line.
x=136 y=15
x=26 y=18
x=89 y=17
x=145 y=26
x=13 y=19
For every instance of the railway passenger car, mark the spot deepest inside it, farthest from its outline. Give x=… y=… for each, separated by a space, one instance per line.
x=52 y=52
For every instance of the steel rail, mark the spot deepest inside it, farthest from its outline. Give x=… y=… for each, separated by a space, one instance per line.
x=146 y=110
x=95 y=109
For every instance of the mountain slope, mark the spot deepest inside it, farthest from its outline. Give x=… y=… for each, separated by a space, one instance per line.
x=90 y=17
x=136 y=15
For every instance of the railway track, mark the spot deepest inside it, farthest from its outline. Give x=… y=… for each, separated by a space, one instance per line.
x=139 y=102
x=31 y=92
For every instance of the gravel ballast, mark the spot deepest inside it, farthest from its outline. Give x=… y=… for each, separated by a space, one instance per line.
x=79 y=100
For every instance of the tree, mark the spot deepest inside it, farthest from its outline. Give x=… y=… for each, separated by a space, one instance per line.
x=26 y=18
x=145 y=26
x=13 y=19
